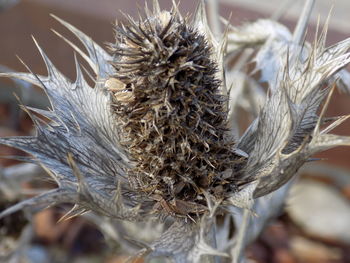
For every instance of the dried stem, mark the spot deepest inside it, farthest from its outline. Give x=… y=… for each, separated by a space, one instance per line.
x=300 y=29
x=237 y=251
x=214 y=17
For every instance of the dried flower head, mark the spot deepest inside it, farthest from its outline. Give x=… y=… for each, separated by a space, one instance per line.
x=170 y=114
x=154 y=136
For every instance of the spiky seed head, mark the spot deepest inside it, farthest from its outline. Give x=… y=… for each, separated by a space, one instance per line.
x=170 y=114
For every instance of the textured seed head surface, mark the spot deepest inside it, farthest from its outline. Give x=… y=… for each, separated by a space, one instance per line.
x=170 y=114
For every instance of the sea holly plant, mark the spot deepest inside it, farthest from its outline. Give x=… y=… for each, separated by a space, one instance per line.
x=155 y=136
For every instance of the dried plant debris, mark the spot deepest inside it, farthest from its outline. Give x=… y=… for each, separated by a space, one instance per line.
x=153 y=138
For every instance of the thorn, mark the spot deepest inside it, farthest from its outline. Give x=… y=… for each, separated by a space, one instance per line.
x=74 y=212
x=301 y=26
x=156 y=7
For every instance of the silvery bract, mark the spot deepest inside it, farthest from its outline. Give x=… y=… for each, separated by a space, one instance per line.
x=156 y=137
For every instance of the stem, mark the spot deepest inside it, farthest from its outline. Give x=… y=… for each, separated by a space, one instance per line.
x=300 y=29
x=214 y=243
x=214 y=18
x=237 y=251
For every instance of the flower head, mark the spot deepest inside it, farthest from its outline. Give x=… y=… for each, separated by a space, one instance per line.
x=170 y=114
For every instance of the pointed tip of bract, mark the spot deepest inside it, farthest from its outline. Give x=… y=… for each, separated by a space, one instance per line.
x=156 y=7
x=200 y=18
x=24 y=64
x=50 y=67
x=10 y=210
x=74 y=212
x=96 y=56
x=175 y=9
x=60 y=20
x=27 y=77
x=54 y=16
x=200 y=13
x=47 y=199
x=200 y=21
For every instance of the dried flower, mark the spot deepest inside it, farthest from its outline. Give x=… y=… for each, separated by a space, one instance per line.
x=154 y=137
x=170 y=116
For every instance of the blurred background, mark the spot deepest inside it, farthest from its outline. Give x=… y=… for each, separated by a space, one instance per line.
x=293 y=237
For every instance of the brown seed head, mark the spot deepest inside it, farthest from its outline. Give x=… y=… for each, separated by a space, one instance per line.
x=171 y=117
